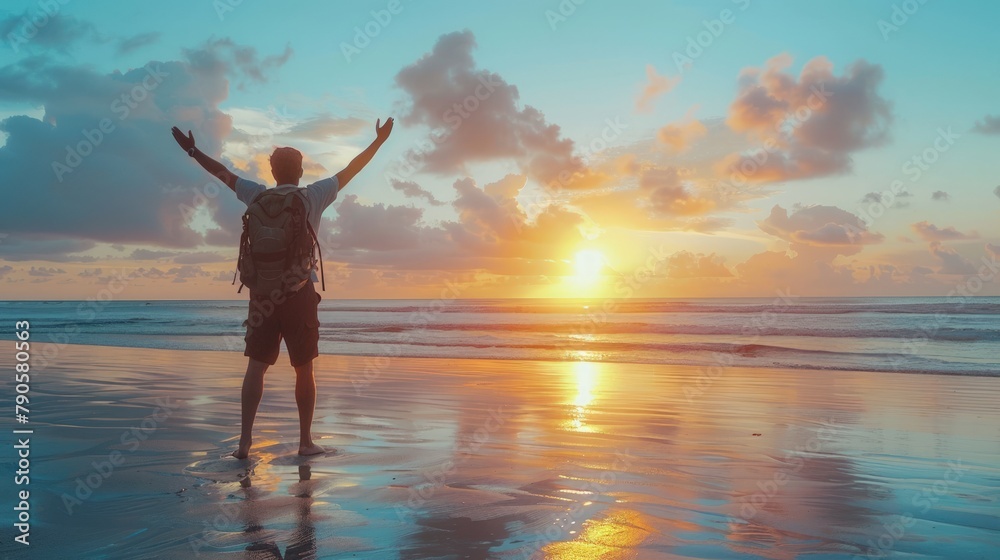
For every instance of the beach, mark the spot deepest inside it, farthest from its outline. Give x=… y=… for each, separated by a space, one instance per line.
x=472 y=458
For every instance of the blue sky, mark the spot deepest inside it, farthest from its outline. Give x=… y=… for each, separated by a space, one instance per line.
x=937 y=71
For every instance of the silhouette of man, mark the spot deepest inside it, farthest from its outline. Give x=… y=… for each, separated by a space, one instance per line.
x=296 y=318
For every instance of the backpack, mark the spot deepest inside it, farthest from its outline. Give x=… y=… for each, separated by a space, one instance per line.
x=278 y=243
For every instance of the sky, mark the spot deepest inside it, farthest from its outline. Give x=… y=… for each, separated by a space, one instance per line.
x=723 y=148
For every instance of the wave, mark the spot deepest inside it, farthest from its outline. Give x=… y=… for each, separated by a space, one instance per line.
x=614 y=307
x=952 y=334
x=873 y=334
x=602 y=307
x=697 y=354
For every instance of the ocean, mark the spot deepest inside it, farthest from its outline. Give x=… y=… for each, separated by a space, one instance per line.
x=905 y=335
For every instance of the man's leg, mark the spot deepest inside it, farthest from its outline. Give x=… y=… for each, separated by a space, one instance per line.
x=305 y=398
x=253 y=390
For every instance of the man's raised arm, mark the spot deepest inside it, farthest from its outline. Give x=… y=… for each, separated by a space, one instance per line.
x=209 y=164
x=362 y=159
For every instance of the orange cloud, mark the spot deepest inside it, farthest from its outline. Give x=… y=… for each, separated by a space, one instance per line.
x=679 y=137
x=809 y=125
x=930 y=232
x=655 y=86
x=475 y=116
x=820 y=230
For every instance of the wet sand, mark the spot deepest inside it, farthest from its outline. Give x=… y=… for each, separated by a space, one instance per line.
x=503 y=459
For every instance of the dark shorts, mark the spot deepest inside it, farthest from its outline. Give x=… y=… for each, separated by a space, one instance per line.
x=293 y=318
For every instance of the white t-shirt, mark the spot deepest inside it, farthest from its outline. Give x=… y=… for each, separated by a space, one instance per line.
x=319 y=196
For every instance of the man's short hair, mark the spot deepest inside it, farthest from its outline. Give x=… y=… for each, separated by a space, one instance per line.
x=286 y=162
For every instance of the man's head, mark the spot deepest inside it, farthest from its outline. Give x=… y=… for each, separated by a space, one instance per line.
x=286 y=166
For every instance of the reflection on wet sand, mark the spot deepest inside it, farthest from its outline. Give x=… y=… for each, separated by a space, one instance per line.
x=301 y=543
x=484 y=459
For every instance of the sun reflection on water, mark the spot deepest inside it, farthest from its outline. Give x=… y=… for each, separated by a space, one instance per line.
x=615 y=535
x=587 y=376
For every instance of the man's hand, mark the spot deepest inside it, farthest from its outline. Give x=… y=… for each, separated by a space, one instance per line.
x=381 y=135
x=185 y=142
x=207 y=163
x=382 y=131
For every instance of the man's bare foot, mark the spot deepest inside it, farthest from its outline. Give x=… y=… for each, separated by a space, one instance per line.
x=243 y=451
x=311 y=449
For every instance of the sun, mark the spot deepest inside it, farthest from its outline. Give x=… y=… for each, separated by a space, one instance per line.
x=588 y=265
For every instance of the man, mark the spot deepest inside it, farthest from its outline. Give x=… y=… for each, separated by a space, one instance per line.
x=294 y=317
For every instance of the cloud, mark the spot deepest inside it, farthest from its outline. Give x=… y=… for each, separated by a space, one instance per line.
x=996 y=191
x=43 y=271
x=685 y=264
x=322 y=127
x=951 y=261
x=820 y=230
x=474 y=116
x=940 y=196
x=655 y=86
x=668 y=195
x=225 y=57
x=5 y=270
x=988 y=125
x=897 y=198
x=135 y=42
x=379 y=227
x=655 y=197
x=492 y=234
x=112 y=194
x=89 y=273
x=150 y=255
x=59 y=32
x=412 y=190
x=199 y=257
x=186 y=272
x=993 y=250
x=40 y=247
x=930 y=232
x=795 y=274
x=810 y=124
x=679 y=137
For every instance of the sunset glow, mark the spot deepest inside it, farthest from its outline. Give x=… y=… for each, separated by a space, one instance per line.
x=588 y=266
x=806 y=162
